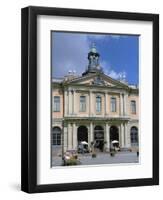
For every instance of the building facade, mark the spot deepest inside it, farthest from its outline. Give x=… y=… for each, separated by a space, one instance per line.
x=94 y=108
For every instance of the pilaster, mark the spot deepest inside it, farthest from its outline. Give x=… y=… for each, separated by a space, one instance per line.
x=69 y=136
x=107 y=136
x=74 y=136
x=122 y=135
x=106 y=103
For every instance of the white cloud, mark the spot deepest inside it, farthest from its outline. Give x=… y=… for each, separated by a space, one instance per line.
x=114 y=74
x=70 y=53
x=108 y=70
x=118 y=76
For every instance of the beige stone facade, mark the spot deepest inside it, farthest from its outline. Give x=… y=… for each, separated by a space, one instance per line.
x=70 y=118
x=94 y=108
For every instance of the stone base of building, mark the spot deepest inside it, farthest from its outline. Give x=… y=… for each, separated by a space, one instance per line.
x=96 y=131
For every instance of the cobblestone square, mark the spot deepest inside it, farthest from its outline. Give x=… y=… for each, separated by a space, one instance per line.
x=102 y=158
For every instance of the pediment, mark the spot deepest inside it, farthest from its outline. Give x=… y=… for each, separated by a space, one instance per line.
x=98 y=80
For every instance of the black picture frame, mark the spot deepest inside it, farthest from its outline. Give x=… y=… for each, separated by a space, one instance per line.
x=29 y=98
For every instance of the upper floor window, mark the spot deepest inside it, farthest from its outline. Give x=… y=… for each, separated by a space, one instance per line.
x=113 y=104
x=133 y=107
x=56 y=103
x=82 y=103
x=98 y=104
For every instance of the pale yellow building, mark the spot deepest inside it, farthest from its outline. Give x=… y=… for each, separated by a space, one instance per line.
x=94 y=108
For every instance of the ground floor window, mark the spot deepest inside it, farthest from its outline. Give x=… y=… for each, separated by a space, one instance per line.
x=56 y=136
x=134 y=136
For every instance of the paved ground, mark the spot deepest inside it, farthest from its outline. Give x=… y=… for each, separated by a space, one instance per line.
x=102 y=158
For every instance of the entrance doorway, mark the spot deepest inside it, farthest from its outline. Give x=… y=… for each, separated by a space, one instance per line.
x=99 y=137
x=114 y=136
x=82 y=134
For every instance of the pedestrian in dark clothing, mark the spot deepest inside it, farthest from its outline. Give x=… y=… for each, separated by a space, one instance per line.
x=137 y=153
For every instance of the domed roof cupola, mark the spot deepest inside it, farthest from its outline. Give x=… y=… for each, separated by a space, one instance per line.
x=93 y=58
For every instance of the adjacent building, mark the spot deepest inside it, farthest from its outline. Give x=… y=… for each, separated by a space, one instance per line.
x=94 y=108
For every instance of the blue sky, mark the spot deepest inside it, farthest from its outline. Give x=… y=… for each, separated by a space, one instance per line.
x=118 y=54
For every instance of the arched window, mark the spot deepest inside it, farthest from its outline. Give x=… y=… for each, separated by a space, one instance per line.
x=56 y=136
x=134 y=136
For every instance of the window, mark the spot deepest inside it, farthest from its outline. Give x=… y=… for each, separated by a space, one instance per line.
x=98 y=104
x=82 y=103
x=134 y=136
x=56 y=104
x=113 y=104
x=133 y=107
x=56 y=136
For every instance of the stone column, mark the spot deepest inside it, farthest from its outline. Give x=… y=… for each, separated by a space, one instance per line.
x=107 y=137
x=119 y=131
x=125 y=104
x=74 y=102
x=90 y=103
x=122 y=135
x=65 y=103
x=91 y=132
x=125 y=134
x=65 y=138
x=69 y=136
x=70 y=102
x=106 y=103
x=68 y=111
x=74 y=136
x=121 y=104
